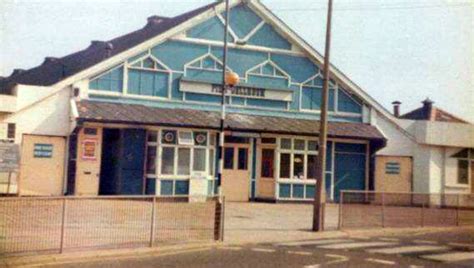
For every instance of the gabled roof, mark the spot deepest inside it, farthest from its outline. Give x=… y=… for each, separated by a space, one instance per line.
x=53 y=71
x=119 y=113
x=428 y=112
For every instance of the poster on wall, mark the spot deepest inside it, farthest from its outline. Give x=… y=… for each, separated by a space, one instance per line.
x=89 y=151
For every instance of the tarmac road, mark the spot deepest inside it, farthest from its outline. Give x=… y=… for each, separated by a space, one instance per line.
x=445 y=249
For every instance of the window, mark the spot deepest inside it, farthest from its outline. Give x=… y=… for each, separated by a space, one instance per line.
x=229 y=158
x=312 y=146
x=110 y=81
x=211 y=162
x=268 y=159
x=285 y=165
x=243 y=159
x=183 y=152
x=392 y=168
x=298 y=166
x=299 y=145
x=285 y=143
x=11 y=131
x=167 y=161
x=199 y=160
x=184 y=161
x=185 y=138
x=152 y=136
x=151 y=160
x=90 y=131
x=311 y=167
x=268 y=140
x=463 y=171
x=298 y=158
x=465 y=166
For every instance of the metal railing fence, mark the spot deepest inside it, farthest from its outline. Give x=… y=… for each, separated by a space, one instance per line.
x=58 y=224
x=367 y=209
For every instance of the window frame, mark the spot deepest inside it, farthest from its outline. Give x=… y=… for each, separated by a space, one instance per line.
x=292 y=151
x=470 y=164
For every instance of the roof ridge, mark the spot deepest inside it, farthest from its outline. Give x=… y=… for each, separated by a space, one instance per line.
x=89 y=56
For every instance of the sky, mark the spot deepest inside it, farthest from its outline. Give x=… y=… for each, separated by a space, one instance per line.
x=404 y=50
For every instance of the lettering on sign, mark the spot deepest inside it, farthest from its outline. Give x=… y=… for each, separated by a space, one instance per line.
x=9 y=157
x=42 y=150
x=241 y=91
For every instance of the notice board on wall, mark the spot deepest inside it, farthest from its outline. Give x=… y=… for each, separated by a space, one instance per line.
x=9 y=157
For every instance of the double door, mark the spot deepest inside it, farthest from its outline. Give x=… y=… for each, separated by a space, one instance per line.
x=236 y=173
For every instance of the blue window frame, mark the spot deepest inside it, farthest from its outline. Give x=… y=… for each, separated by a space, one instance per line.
x=110 y=81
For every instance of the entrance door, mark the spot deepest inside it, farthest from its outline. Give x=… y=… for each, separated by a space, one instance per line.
x=266 y=173
x=236 y=173
x=42 y=165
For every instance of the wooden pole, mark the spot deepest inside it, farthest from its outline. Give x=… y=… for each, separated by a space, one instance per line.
x=320 y=195
x=224 y=87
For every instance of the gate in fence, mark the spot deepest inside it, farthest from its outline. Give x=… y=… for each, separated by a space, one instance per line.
x=57 y=224
x=364 y=209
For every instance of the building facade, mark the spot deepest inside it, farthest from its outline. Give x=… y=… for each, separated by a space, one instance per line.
x=139 y=114
x=440 y=156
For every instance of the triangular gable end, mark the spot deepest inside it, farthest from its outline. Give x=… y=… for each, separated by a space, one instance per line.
x=245 y=26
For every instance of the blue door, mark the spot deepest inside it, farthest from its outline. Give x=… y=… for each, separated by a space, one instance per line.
x=132 y=161
x=349 y=173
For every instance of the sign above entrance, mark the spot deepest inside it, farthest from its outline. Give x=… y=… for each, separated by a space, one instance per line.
x=239 y=91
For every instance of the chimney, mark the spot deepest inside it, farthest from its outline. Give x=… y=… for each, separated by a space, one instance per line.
x=396 y=108
x=17 y=71
x=108 y=49
x=154 y=20
x=427 y=108
x=96 y=44
x=50 y=60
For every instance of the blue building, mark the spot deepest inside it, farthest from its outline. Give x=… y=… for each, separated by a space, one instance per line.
x=145 y=111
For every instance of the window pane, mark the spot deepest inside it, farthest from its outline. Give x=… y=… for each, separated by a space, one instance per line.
x=243 y=159
x=285 y=166
x=298 y=166
x=311 y=167
x=268 y=159
x=167 y=161
x=312 y=146
x=212 y=139
x=211 y=162
x=199 y=160
x=152 y=136
x=184 y=160
x=286 y=144
x=268 y=140
x=299 y=145
x=463 y=171
x=151 y=160
x=228 y=158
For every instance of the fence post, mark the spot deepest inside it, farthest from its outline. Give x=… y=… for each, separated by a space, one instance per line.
x=341 y=198
x=457 y=210
x=63 y=222
x=152 y=227
x=383 y=210
x=222 y=219
x=423 y=213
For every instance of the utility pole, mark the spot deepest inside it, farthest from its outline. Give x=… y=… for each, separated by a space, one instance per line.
x=320 y=195
x=224 y=88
